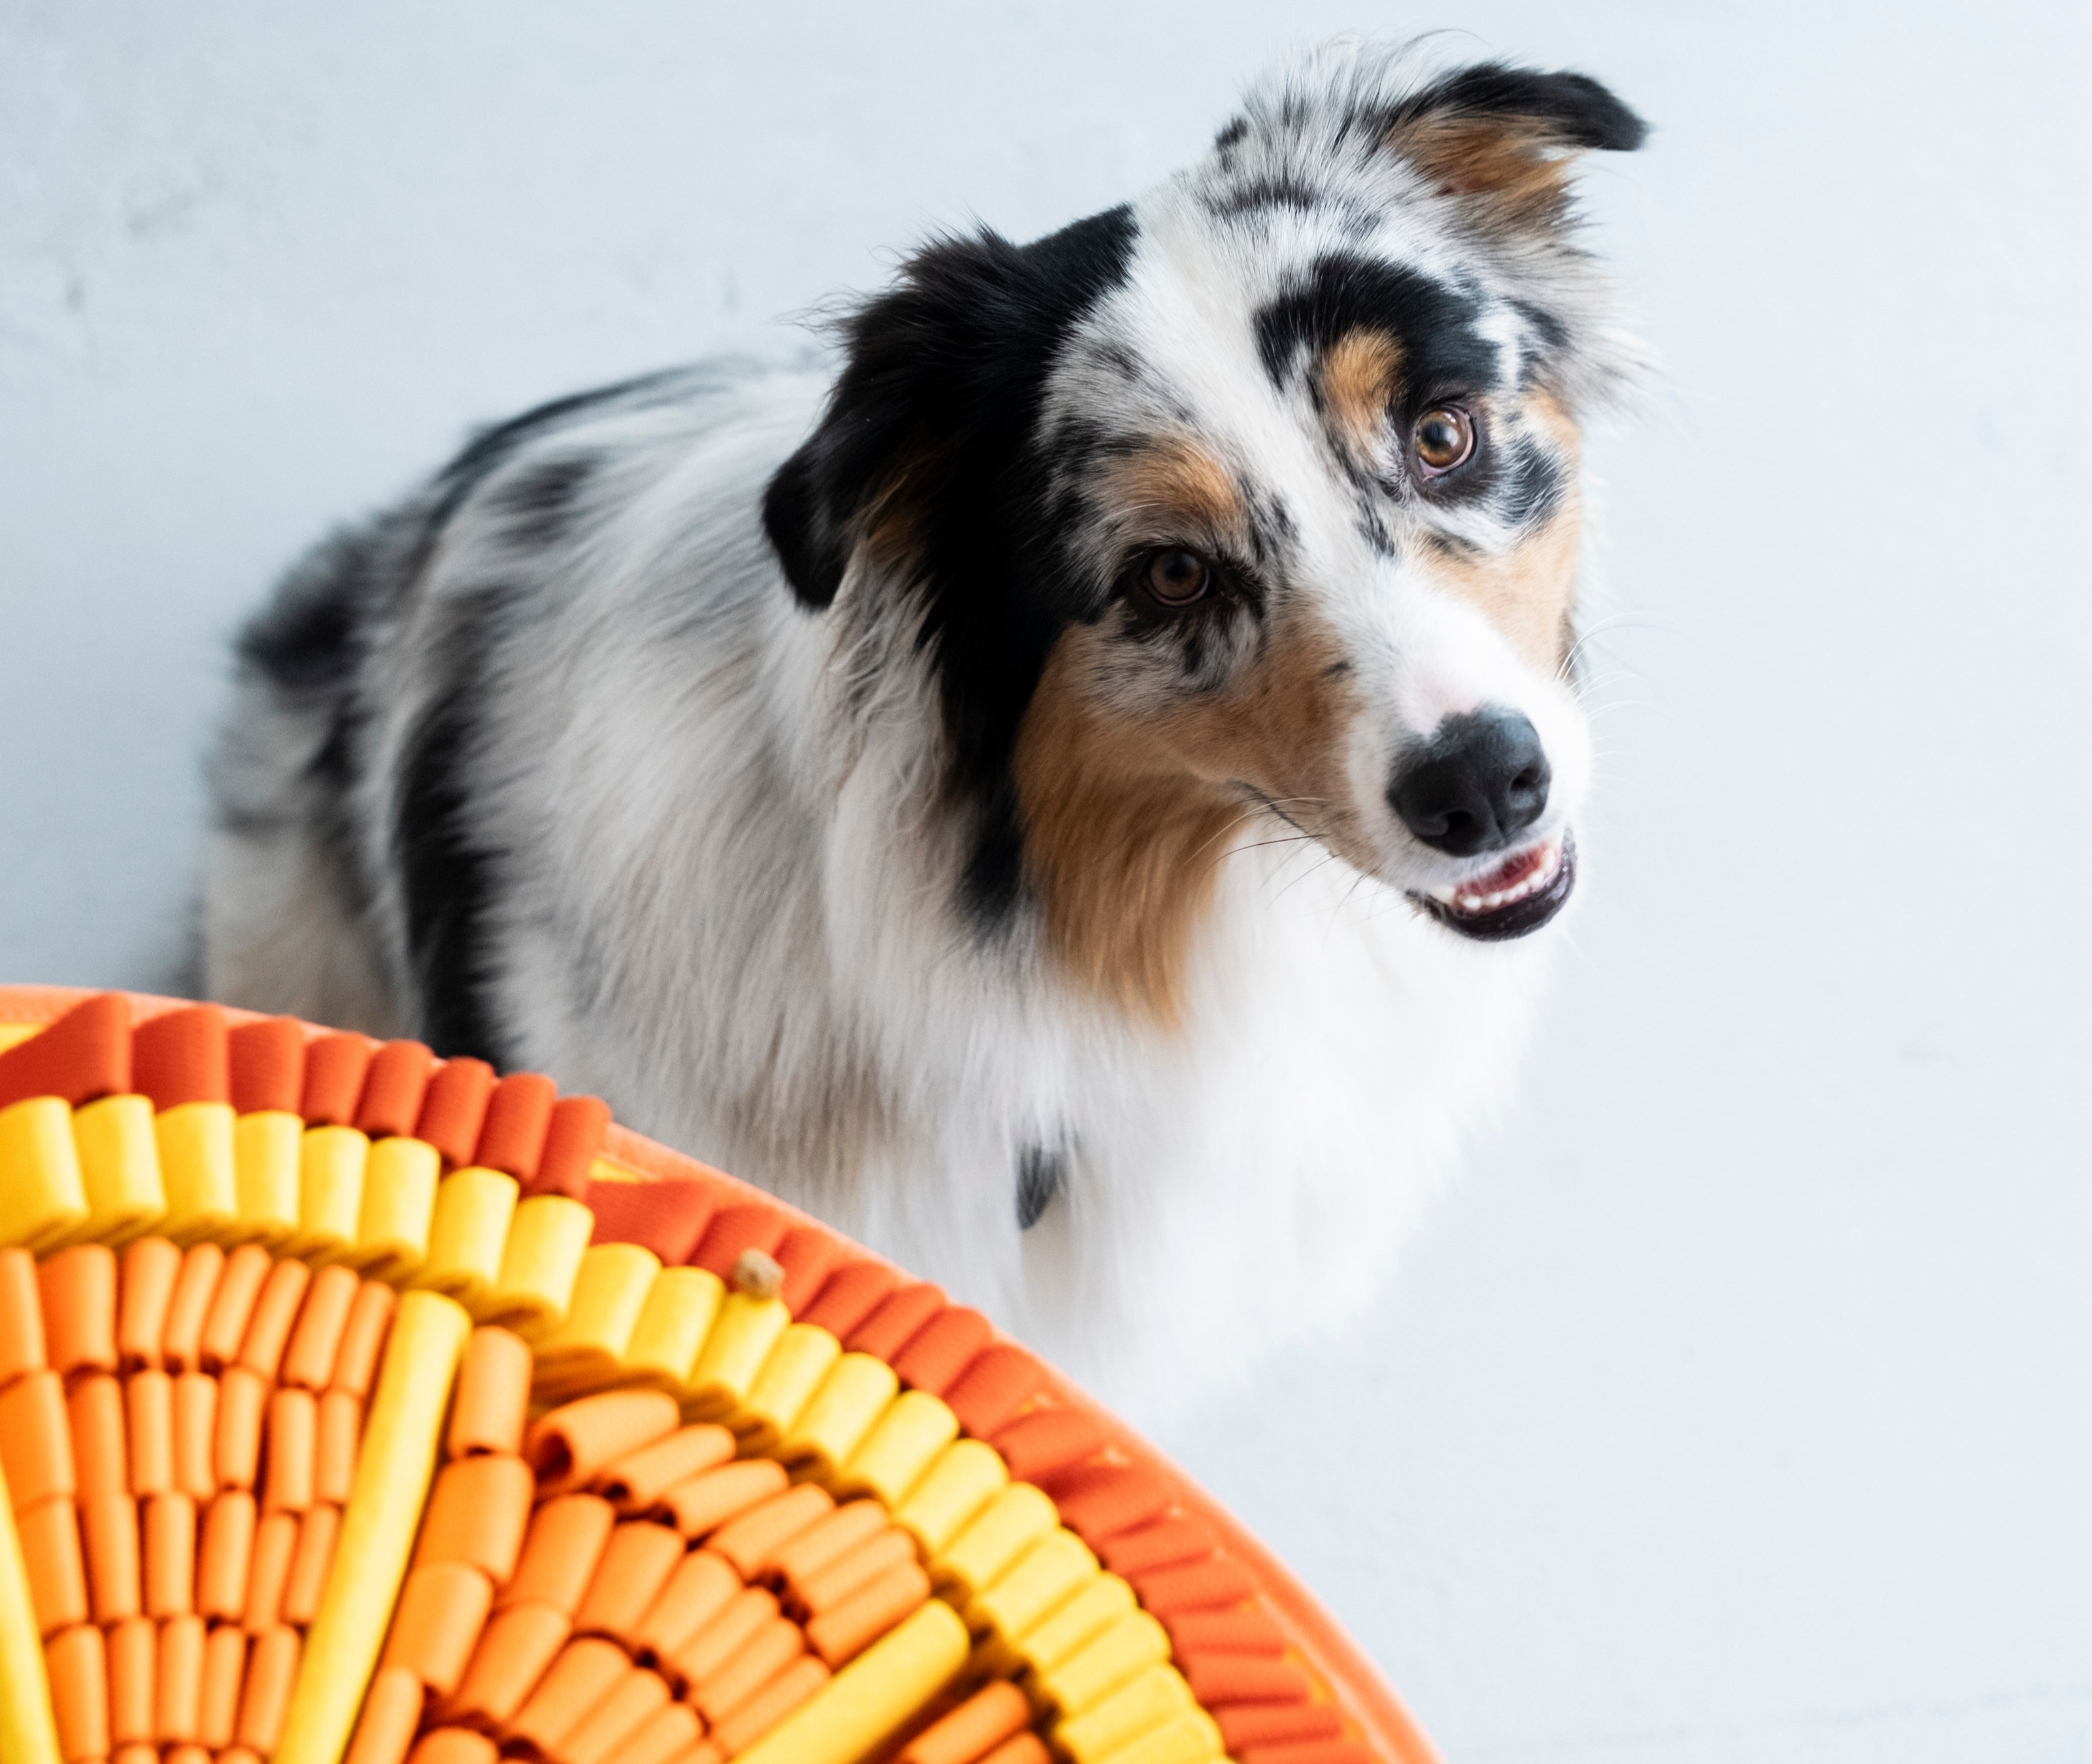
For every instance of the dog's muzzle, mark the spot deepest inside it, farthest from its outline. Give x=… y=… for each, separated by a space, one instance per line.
x=1474 y=788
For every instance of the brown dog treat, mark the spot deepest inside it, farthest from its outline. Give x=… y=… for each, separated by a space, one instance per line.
x=195 y=1435
x=243 y=1401
x=148 y=1415
x=134 y=1652
x=36 y=1440
x=108 y=1533
x=636 y=1482
x=269 y=1573
x=635 y=1567
x=566 y=1540
x=453 y=1745
x=695 y=1593
x=169 y=1555
x=271 y=1670
x=568 y=1447
x=514 y=1650
x=225 y=1559
x=773 y=1647
x=477 y=1513
x=749 y=1720
x=974 y=1729
x=604 y=1730
x=334 y=1452
x=322 y=1320
x=78 y=1287
x=891 y=1548
x=441 y=1609
x=293 y=1448
x=392 y=1711
x=101 y=1459
x=309 y=1563
x=751 y=1541
x=827 y=1540
x=224 y=1668
x=493 y=1395
x=195 y=1286
x=708 y=1649
x=177 y=1681
x=21 y=1317
x=269 y=1330
x=843 y=1631
x=145 y=1288
x=701 y=1504
x=49 y=1534
x=77 y=1666
x=355 y=1362
x=232 y=1307
x=585 y=1672
x=663 y=1735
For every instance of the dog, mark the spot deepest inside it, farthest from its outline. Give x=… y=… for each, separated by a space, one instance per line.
x=1066 y=796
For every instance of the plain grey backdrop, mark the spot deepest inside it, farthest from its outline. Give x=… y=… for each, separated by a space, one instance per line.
x=1737 y=1404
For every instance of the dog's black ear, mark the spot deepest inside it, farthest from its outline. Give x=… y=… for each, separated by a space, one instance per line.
x=814 y=507
x=808 y=542
x=941 y=385
x=1504 y=136
x=895 y=409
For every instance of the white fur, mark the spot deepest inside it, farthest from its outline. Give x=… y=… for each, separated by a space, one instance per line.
x=730 y=908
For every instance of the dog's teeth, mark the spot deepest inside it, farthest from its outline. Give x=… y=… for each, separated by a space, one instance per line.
x=1463 y=899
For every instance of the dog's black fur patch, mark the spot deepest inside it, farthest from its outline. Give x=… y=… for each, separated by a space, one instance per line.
x=445 y=873
x=1041 y=1175
x=933 y=425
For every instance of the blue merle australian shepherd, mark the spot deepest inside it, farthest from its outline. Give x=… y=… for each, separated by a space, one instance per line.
x=1068 y=796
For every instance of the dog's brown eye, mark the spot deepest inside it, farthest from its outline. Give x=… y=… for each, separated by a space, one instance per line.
x=1444 y=439
x=1178 y=578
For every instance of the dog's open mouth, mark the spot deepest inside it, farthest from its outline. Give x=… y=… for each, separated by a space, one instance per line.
x=1521 y=894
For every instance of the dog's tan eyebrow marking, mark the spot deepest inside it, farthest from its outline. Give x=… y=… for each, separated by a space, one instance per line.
x=1356 y=380
x=1170 y=483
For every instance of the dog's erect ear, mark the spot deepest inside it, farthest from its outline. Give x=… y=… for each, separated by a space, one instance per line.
x=1504 y=136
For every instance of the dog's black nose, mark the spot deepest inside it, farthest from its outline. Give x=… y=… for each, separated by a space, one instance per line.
x=1478 y=784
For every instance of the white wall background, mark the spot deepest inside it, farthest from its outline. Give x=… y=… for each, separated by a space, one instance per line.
x=1739 y=1404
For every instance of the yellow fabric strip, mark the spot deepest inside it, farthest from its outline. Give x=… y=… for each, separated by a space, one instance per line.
x=28 y=1731
x=393 y=1473
x=872 y=1698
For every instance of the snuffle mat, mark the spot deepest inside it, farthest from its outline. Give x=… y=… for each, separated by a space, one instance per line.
x=359 y=1405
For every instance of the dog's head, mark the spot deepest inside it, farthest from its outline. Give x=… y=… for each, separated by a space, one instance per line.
x=1254 y=500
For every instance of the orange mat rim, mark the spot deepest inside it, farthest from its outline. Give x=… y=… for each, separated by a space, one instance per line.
x=1383 y=1719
